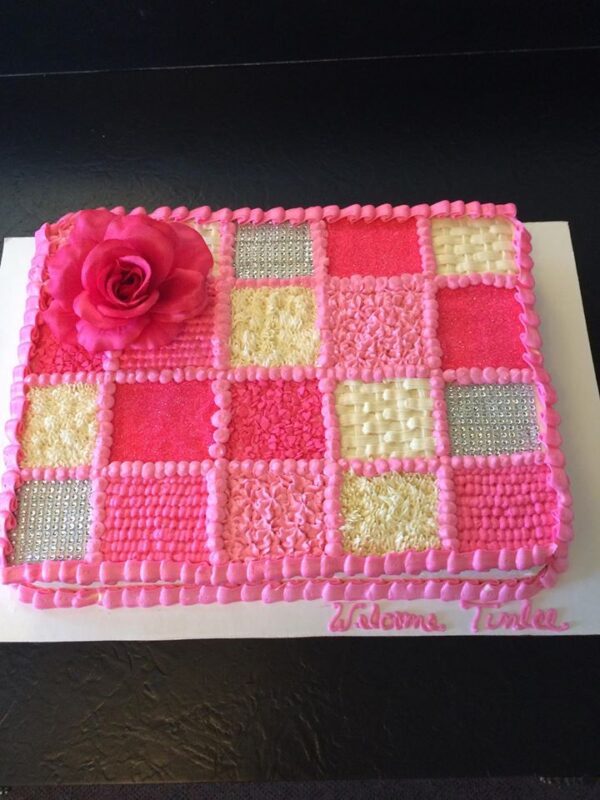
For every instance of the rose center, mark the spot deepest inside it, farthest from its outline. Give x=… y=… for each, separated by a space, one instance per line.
x=129 y=280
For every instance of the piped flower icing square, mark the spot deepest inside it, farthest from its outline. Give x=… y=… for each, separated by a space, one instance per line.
x=273 y=327
x=163 y=421
x=501 y=507
x=377 y=322
x=276 y=419
x=390 y=419
x=380 y=247
x=490 y=419
x=273 y=251
x=60 y=425
x=463 y=245
x=274 y=511
x=388 y=513
x=155 y=519
x=480 y=326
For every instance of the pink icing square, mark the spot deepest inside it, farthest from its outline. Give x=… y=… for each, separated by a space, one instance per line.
x=373 y=248
x=276 y=419
x=376 y=326
x=163 y=422
x=47 y=355
x=275 y=515
x=192 y=348
x=479 y=326
x=506 y=507
x=155 y=519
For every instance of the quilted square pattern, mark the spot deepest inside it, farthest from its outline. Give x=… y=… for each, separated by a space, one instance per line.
x=276 y=419
x=273 y=251
x=391 y=419
x=273 y=327
x=53 y=521
x=275 y=514
x=388 y=513
x=60 y=425
x=491 y=420
x=155 y=518
x=376 y=323
x=508 y=507
x=163 y=422
x=381 y=247
x=49 y=356
x=465 y=245
x=480 y=326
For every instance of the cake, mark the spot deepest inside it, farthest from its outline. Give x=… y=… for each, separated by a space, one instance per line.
x=282 y=405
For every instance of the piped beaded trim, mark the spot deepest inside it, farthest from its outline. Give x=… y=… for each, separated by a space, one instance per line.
x=308 y=567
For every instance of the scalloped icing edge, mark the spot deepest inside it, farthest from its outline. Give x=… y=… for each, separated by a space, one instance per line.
x=293 y=578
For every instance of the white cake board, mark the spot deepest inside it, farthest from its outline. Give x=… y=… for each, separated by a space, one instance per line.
x=576 y=596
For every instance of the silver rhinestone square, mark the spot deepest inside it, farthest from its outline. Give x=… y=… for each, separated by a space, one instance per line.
x=273 y=251
x=53 y=521
x=489 y=419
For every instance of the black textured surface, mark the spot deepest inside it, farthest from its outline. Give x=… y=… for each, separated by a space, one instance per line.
x=37 y=36
x=522 y=128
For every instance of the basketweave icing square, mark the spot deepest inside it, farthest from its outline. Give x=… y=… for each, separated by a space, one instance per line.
x=282 y=405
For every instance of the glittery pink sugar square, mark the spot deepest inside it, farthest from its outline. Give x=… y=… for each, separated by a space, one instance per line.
x=506 y=507
x=155 y=519
x=381 y=247
x=275 y=515
x=192 y=348
x=376 y=327
x=163 y=422
x=276 y=419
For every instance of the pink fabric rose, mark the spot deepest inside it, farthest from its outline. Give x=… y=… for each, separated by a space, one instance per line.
x=125 y=281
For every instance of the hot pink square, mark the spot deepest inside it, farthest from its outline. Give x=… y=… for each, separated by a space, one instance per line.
x=507 y=507
x=373 y=248
x=479 y=326
x=376 y=327
x=275 y=515
x=47 y=355
x=155 y=519
x=163 y=422
x=276 y=419
x=192 y=348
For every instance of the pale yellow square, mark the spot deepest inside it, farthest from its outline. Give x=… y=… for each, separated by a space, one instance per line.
x=211 y=233
x=60 y=426
x=389 y=513
x=463 y=245
x=273 y=327
x=391 y=419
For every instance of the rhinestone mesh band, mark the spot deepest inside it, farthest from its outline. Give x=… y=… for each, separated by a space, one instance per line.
x=53 y=519
x=490 y=420
x=273 y=251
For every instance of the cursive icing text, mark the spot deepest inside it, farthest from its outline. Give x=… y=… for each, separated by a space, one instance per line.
x=487 y=618
x=369 y=616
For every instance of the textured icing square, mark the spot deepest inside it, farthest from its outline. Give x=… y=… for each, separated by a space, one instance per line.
x=49 y=356
x=388 y=513
x=273 y=327
x=155 y=519
x=192 y=348
x=463 y=245
x=480 y=326
x=276 y=419
x=374 y=325
x=275 y=514
x=53 y=521
x=380 y=247
x=60 y=425
x=508 y=507
x=489 y=419
x=391 y=419
x=163 y=422
x=273 y=251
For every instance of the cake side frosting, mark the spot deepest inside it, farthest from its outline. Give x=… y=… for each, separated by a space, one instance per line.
x=361 y=346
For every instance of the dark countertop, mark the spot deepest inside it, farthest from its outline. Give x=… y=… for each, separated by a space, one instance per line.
x=520 y=127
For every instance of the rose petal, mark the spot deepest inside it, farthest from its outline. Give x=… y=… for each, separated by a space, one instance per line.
x=100 y=261
x=64 y=272
x=130 y=311
x=153 y=240
x=182 y=296
x=61 y=323
x=91 y=224
x=157 y=333
x=191 y=251
x=96 y=339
